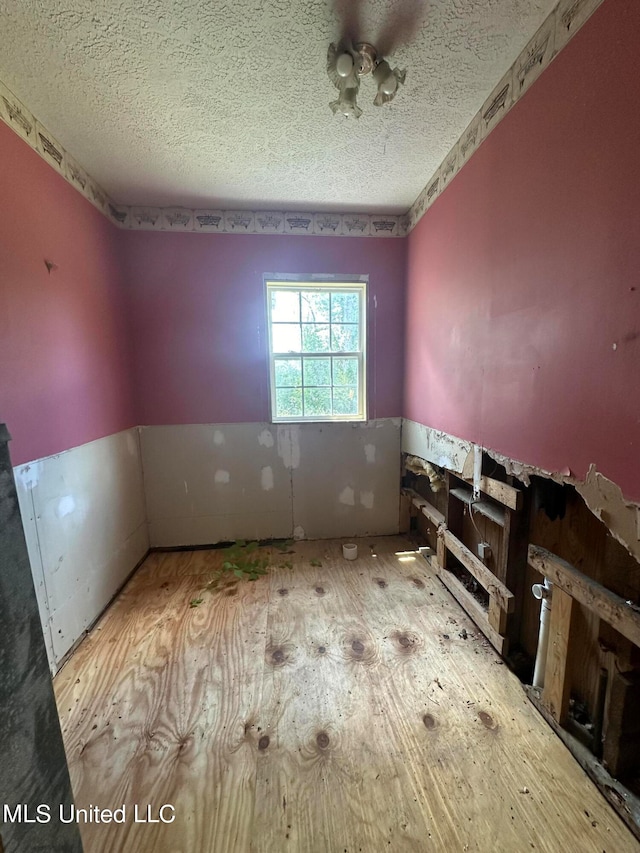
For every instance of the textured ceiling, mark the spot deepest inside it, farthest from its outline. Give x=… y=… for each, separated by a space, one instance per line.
x=226 y=103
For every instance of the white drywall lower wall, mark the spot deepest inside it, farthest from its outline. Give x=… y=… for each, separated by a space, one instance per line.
x=207 y=483
x=84 y=518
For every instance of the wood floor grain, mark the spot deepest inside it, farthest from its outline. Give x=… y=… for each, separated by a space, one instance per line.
x=330 y=706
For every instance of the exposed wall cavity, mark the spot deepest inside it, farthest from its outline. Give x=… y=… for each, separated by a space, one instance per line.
x=606 y=502
x=603 y=497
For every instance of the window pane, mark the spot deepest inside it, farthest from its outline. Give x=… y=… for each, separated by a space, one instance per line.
x=285 y=306
x=315 y=338
x=289 y=402
x=316 y=350
x=285 y=337
x=344 y=338
x=317 y=371
x=315 y=307
x=345 y=401
x=288 y=372
x=345 y=308
x=345 y=371
x=317 y=401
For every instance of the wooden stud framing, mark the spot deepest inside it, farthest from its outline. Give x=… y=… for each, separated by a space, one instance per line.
x=441 y=553
x=490 y=510
x=626 y=804
x=502 y=601
x=405 y=513
x=501 y=492
x=556 y=680
x=611 y=608
x=423 y=505
x=481 y=573
x=511 y=561
x=497 y=617
x=473 y=608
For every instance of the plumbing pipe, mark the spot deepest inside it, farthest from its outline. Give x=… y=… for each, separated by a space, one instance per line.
x=542 y=591
x=477 y=471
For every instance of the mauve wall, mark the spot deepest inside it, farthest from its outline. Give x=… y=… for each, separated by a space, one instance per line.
x=523 y=299
x=198 y=319
x=64 y=377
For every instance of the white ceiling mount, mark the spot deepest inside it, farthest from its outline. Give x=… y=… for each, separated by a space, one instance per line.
x=367 y=58
x=347 y=63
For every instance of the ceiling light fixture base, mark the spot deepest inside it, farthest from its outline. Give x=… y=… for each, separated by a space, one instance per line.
x=366 y=58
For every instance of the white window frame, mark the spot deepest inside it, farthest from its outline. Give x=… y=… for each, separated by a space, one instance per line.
x=320 y=283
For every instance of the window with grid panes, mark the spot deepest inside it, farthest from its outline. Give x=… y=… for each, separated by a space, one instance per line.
x=317 y=350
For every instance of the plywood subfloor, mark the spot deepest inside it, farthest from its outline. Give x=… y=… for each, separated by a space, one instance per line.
x=325 y=708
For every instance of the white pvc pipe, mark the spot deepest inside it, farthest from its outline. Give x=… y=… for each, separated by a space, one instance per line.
x=477 y=471
x=542 y=591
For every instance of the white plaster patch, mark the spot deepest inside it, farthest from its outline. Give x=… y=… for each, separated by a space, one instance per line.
x=266 y=478
x=266 y=438
x=132 y=444
x=366 y=499
x=222 y=476
x=370 y=453
x=186 y=488
x=218 y=437
x=29 y=475
x=347 y=496
x=66 y=506
x=298 y=533
x=289 y=446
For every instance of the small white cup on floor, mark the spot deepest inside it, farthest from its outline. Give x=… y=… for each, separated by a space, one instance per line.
x=350 y=551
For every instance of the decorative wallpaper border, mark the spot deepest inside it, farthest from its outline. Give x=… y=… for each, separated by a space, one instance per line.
x=559 y=27
x=306 y=224
x=203 y=221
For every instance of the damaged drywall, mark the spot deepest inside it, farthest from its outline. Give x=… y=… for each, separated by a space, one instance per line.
x=420 y=466
x=603 y=497
x=606 y=501
x=437 y=447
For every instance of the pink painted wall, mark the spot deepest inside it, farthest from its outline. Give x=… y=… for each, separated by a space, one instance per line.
x=523 y=295
x=198 y=319
x=64 y=376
